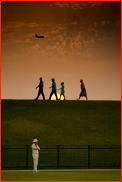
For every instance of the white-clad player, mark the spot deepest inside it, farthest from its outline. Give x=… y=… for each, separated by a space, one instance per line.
x=35 y=154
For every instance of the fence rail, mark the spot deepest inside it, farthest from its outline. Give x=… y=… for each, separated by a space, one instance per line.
x=60 y=156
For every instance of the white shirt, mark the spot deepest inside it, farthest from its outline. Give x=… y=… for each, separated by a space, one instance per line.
x=34 y=150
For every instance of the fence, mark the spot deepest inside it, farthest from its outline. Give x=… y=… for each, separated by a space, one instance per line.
x=55 y=156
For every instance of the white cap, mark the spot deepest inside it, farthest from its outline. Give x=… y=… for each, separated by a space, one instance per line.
x=35 y=140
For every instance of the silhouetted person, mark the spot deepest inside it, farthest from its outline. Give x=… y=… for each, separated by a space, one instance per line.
x=38 y=36
x=53 y=89
x=83 y=91
x=62 y=91
x=40 y=86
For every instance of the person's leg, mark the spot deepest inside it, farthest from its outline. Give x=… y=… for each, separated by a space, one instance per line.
x=60 y=96
x=86 y=97
x=85 y=94
x=38 y=94
x=56 y=95
x=35 y=163
x=43 y=94
x=80 y=95
x=51 y=95
x=64 y=97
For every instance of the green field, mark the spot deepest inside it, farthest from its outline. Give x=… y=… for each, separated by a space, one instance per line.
x=69 y=124
x=62 y=176
x=61 y=122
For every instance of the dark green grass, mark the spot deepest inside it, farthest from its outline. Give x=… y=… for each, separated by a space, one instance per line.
x=61 y=122
x=62 y=176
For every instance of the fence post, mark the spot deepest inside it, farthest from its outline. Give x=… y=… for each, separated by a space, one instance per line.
x=89 y=156
x=58 y=158
x=27 y=157
x=120 y=156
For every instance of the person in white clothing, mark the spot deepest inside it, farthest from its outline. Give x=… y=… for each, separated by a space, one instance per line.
x=35 y=154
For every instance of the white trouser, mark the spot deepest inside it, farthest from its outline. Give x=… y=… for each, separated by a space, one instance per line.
x=35 y=161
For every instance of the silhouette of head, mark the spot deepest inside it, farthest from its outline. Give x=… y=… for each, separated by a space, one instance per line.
x=53 y=79
x=62 y=83
x=81 y=80
x=40 y=78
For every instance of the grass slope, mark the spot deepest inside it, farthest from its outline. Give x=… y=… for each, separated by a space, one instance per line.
x=61 y=122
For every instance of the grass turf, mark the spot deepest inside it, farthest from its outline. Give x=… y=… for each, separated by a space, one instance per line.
x=60 y=123
x=62 y=176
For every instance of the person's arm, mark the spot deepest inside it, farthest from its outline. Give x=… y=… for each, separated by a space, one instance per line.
x=37 y=86
x=37 y=147
x=52 y=85
x=59 y=89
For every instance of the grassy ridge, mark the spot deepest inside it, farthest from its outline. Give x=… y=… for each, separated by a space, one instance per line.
x=74 y=123
x=61 y=122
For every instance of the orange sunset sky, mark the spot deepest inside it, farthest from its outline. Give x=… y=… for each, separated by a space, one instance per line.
x=82 y=40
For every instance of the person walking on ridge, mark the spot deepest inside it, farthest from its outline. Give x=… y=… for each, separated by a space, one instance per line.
x=83 y=91
x=53 y=89
x=40 y=86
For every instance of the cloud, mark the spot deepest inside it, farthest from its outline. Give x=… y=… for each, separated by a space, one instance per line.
x=118 y=23
x=12 y=25
x=103 y=23
x=77 y=45
x=95 y=24
x=12 y=40
x=97 y=3
x=52 y=39
x=31 y=35
x=89 y=43
x=86 y=43
x=93 y=30
x=27 y=41
x=105 y=38
x=51 y=5
x=59 y=4
x=78 y=5
x=60 y=38
x=66 y=4
x=16 y=41
x=92 y=41
x=92 y=3
x=57 y=28
x=32 y=25
x=75 y=5
x=53 y=47
x=73 y=23
x=55 y=31
x=44 y=53
x=71 y=4
x=8 y=34
x=78 y=41
x=32 y=48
